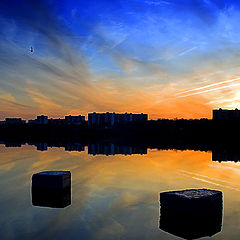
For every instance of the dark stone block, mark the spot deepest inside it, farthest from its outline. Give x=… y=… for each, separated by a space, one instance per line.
x=51 y=189
x=192 y=213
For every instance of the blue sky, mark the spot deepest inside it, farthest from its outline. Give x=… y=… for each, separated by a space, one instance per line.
x=168 y=58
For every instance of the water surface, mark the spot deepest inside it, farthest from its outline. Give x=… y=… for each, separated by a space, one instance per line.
x=113 y=197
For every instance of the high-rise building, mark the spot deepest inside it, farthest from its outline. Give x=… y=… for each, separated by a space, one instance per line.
x=111 y=119
x=225 y=114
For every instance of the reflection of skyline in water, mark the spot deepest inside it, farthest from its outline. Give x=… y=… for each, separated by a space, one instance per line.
x=93 y=148
x=111 y=148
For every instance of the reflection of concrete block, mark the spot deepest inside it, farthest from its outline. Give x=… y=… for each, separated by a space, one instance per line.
x=50 y=197
x=52 y=179
x=191 y=214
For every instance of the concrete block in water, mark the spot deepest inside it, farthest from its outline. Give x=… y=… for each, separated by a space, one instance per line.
x=192 y=213
x=51 y=189
x=52 y=179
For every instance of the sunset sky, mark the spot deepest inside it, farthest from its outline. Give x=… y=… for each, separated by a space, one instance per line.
x=170 y=58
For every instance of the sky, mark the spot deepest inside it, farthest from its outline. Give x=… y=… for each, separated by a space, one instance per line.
x=167 y=58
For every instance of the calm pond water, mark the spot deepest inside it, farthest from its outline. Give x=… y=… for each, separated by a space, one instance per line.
x=113 y=197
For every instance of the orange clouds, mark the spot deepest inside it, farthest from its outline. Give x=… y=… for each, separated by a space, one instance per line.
x=159 y=101
x=46 y=105
x=190 y=107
